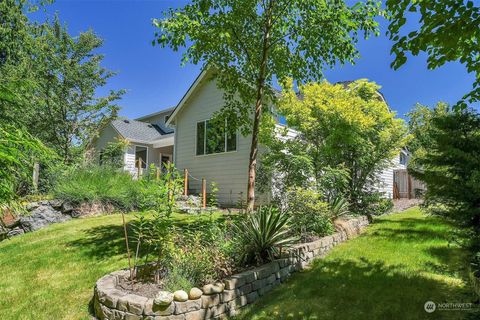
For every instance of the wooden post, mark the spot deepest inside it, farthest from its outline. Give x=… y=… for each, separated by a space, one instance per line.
x=185 y=182
x=158 y=174
x=409 y=182
x=204 y=193
x=128 y=248
x=36 y=174
x=139 y=168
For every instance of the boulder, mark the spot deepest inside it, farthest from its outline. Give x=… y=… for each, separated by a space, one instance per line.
x=42 y=216
x=195 y=294
x=74 y=213
x=217 y=287
x=15 y=232
x=180 y=296
x=67 y=207
x=163 y=298
x=56 y=203
x=31 y=206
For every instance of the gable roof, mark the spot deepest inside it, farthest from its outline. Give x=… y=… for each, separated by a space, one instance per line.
x=187 y=95
x=138 y=131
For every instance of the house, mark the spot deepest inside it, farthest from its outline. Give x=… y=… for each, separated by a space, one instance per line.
x=184 y=134
x=150 y=140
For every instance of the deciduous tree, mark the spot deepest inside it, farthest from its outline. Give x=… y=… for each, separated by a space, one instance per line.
x=346 y=126
x=254 y=42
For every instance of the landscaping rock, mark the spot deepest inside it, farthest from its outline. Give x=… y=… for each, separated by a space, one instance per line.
x=163 y=298
x=187 y=306
x=42 y=216
x=15 y=232
x=152 y=309
x=210 y=300
x=32 y=205
x=215 y=301
x=67 y=207
x=74 y=213
x=195 y=294
x=180 y=296
x=56 y=204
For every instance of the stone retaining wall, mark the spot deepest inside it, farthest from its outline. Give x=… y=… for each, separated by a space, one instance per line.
x=218 y=300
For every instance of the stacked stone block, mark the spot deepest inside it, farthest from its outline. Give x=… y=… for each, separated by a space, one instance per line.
x=218 y=300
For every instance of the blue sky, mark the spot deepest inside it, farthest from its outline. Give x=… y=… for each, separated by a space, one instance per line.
x=154 y=79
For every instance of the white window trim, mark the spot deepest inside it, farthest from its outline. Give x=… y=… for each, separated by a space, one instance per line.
x=135 y=155
x=205 y=140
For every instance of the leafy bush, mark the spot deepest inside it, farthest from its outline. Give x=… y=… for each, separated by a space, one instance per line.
x=98 y=184
x=17 y=149
x=262 y=234
x=309 y=214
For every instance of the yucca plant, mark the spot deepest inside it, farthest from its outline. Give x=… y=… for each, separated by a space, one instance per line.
x=338 y=207
x=262 y=234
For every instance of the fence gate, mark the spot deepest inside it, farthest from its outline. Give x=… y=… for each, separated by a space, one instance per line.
x=405 y=186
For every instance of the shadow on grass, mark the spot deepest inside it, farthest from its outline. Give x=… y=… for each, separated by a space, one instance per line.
x=102 y=242
x=355 y=289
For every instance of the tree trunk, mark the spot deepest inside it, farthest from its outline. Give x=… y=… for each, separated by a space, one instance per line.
x=252 y=165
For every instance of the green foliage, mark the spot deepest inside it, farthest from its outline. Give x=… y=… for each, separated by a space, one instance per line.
x=112 y=154
x=51 y=80
x=346 y=135
x=448 y=32
x=309 y=214
x=98 y=184
x=18 y=151
x=212 y=197
x=380 y=205
x=252 y=43
x=338 y=207
x=448 y=162
x=263 y=234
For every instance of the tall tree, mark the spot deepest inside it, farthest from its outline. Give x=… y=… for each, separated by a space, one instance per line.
x=448 y=32
x=68 y=110
x=254 y=42
x=448 y=161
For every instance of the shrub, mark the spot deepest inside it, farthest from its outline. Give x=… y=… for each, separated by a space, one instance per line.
x=98 y=184
x=309 y=214
x=339 y=207
x=262 y=234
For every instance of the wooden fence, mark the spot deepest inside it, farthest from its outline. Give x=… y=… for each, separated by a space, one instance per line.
x=406 y=186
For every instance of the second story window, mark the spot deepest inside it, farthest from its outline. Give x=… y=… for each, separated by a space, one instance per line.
x=215 y=137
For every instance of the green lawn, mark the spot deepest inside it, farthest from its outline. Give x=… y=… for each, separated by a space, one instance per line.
x=50 y=274
x=389 y=272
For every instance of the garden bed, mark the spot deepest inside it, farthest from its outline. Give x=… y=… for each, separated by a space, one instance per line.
x=113 y=301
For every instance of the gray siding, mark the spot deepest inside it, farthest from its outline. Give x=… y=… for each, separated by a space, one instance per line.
x=108 y=134
x=228 y=170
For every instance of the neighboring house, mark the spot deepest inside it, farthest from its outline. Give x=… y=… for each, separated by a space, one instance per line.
x=151 y=141
x=183 y=135
x=387 y=176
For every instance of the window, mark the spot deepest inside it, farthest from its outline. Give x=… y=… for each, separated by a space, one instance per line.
x=403 y=158
x=215 y=137
x=141 y=154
